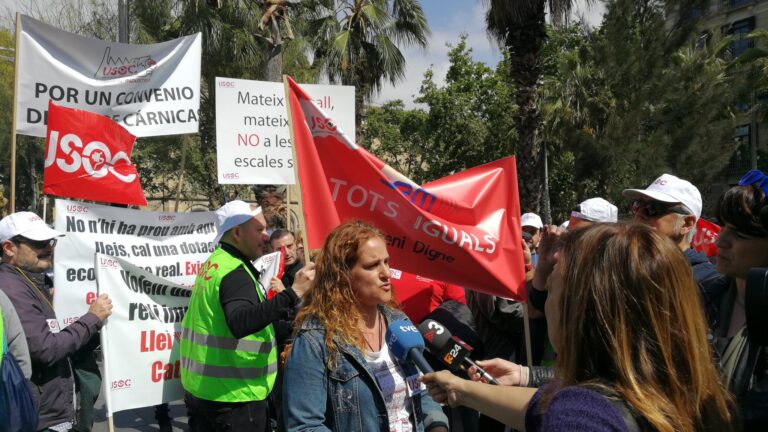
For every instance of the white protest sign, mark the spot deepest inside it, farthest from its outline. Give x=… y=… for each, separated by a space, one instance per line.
x=253 y=142
x=140 y=340
x=268 y=267
x=170 y=245
x=149 y=89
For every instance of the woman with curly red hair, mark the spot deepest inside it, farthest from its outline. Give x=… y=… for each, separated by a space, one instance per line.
x=339 y=374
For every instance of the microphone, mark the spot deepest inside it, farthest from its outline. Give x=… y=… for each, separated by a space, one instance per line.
x=406 y=344
x=451 y=350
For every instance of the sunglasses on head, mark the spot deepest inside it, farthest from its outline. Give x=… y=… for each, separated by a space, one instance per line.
x=657 y=208
x=35 y=244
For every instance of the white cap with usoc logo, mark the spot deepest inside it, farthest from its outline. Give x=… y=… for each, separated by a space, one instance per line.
x=670 y=189
x=28 y=225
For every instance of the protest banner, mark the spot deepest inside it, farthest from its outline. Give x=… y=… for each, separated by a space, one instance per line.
x=88 y=156
x=270 y=266
x=705 y=237
x=253 y=143
x=149 y=89
x=463 y=229
x=140 y=338
x=170 y=245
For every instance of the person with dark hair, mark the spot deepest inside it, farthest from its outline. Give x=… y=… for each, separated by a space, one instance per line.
x=340 y=374
x=631 y=343
x=282 y=238
x=742 y=244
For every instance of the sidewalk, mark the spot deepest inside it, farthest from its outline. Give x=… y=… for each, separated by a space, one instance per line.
x=140 y=419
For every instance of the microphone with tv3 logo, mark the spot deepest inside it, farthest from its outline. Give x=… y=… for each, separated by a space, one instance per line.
x=406 y=344
x=451 y=350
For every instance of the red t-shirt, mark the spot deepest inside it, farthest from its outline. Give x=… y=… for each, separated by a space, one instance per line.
x=418 y=295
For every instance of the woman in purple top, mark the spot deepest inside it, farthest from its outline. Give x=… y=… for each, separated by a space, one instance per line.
x=625 y=319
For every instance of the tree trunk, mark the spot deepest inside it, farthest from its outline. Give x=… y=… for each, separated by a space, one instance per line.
x=275 y=54
x=524 y=46
x=359 y=115
x=266 y=194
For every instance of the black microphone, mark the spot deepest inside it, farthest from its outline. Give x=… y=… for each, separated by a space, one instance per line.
x=406 y=344
x=451 y=350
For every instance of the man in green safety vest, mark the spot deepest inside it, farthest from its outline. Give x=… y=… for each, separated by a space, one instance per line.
x=229 y=355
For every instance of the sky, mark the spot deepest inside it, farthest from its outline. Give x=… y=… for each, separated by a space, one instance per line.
x=447 y=19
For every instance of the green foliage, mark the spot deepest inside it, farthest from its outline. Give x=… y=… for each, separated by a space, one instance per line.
x=85 y=17
x=468 y=121
x=396 y=136
x=357 y=42
x=632 y=101
x=753 y=65
x=233 y=46
x=6 y=99
x=29 y=150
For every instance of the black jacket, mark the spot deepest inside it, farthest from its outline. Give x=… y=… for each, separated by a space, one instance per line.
x=52 y=382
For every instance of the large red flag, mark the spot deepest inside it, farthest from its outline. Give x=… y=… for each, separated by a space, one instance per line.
x=463 y=229
x=87 y=156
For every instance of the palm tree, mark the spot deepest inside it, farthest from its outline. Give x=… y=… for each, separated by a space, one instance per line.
x=275 y=12
x=356 y=42
x=520 y=28
x=231 y=48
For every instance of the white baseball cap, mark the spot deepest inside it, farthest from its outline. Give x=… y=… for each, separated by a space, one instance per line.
x=597 y=210
x=670 y=189
x=233 y=214
x=531 y=219
x=26 y=224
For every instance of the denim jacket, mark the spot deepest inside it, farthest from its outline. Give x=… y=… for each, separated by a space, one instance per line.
x=346 y=398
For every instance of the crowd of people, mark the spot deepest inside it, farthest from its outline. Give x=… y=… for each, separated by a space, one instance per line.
x=631 y=329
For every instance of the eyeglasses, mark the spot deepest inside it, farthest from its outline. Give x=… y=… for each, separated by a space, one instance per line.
x=35 y=244
x=657 y=208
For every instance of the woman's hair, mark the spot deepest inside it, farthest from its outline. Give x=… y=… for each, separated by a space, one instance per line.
x=631 y=324
x=740 y=206
x=331 y=298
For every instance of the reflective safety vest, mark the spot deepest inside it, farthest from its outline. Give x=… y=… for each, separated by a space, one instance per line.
x=215 y=365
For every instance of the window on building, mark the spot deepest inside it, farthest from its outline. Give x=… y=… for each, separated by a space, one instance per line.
x=739 y=30
x=737 y=3
x=740 y=161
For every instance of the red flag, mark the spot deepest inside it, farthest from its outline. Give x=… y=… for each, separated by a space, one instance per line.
x=88 y=157
x=463 y=229
x=705 y=238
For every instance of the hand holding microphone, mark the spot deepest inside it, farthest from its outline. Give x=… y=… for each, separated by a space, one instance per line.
x=506 y=372
x=451 y=350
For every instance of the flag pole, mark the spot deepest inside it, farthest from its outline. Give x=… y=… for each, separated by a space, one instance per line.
x=288 y=207
x=106 y=361
x=300 y=212
x=12 y=193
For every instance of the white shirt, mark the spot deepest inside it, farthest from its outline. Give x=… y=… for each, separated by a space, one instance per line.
x=395 y=387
